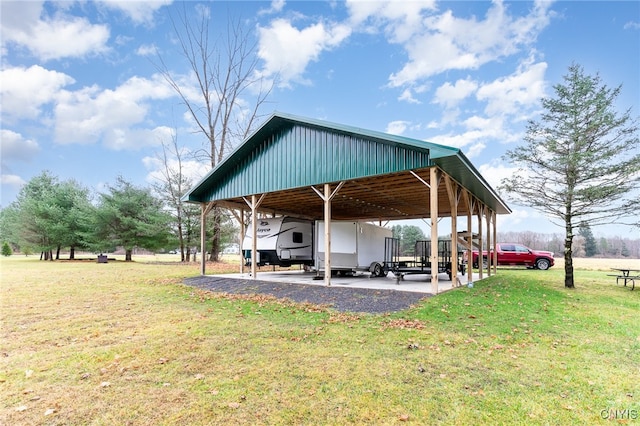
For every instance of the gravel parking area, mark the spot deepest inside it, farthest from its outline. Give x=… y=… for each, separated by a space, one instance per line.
x=342 y=299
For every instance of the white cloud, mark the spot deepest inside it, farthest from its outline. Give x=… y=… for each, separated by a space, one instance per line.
x=140 y=12
x=13 y=181
x=399 y=19
x=475 y=150
x=494 y=172
x=450 y=95
x=191 y=169
x=407 y=96
x=458 y=140
x=91 y=114
x=397 y=127
x=147 y=50
x=51 y=37
x=509 y=94
x=126 y=138
x=25 y=90
x=632 y=25
x=275 y=6
x=287 y=51
x=15 y=147
x=480 y=131
x=444 y=42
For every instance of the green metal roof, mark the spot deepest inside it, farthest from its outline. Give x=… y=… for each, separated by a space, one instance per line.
x=289 y=152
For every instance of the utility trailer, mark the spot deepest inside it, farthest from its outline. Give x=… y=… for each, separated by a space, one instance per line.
x=421 y=263
x=355 y=246
x=281 y=241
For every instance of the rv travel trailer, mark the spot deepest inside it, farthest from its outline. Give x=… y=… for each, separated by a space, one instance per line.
x=282 y=241
x=355 y=246
x=287 y=241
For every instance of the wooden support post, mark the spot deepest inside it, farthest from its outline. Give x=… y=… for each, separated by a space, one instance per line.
x=480 y=242
x=205 y=208
x=254 y=238
x=453 y=190
x=327 y=195
x=434 y=176
x=470 y=238
x=254 y=204
x=487 y=213
x=327 y=234
x=243 y=231
x=495 y=242
x=203 y=237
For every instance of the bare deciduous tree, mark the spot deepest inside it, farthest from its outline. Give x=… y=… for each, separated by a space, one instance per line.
x=171 y=185
x=230 y=91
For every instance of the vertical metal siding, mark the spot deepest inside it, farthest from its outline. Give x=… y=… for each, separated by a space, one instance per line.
x=301 y=156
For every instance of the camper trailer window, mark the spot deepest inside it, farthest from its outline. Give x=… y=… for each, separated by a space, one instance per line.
x=297 y=237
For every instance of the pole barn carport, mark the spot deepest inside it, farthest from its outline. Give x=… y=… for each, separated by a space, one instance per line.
x=318 y=170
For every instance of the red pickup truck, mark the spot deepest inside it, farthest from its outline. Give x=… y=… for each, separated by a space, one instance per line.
x=517 y=254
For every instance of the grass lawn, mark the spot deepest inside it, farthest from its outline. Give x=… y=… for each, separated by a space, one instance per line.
x=127 y=343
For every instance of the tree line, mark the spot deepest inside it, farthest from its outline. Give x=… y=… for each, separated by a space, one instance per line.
x=583 y=245
x=50 y=215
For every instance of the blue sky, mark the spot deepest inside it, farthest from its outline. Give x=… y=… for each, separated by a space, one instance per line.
x=82 y=98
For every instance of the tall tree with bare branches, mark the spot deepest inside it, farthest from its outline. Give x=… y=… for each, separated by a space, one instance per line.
x=230 y=91
x=171 y=184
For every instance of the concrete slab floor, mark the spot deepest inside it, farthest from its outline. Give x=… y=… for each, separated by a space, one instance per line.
x=420 y=283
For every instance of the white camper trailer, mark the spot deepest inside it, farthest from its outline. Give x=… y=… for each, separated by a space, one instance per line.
x=354 y=246
x=282 y=241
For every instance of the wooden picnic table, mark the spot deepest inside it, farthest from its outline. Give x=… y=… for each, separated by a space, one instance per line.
x=627 y=275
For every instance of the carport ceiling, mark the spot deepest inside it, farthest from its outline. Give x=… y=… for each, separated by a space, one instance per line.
x=385 y=176
x=388 y=197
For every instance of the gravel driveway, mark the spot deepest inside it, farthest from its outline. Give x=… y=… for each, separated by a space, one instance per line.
x=339 y=298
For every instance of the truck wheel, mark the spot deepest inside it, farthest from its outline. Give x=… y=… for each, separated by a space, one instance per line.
x=542 y=264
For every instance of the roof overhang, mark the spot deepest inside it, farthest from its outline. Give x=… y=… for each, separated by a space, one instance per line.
x=396 y=194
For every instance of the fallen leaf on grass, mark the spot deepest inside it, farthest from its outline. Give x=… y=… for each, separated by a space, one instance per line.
x=49 y=411
x=403 y=418
x=405 y=323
